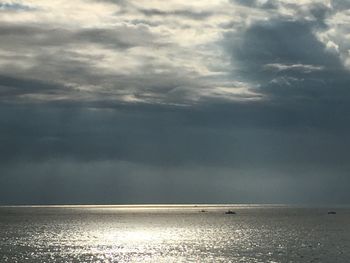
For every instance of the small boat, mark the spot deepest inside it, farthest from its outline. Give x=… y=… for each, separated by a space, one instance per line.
x=332 y=212
x=203 y=211
x=230 y=212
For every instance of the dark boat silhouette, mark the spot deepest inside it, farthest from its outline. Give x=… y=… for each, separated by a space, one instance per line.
x=230 y=212
x=332 y=212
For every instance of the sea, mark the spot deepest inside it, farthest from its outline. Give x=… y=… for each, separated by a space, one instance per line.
x=174 y=233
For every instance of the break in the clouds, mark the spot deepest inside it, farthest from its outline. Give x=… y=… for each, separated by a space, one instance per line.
x=122 y=101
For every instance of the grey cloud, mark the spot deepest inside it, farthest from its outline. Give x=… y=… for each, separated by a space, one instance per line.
x=118 y=2
x=122 y=37
x=180 y=13
x=340 y=4
x=77 y=68
x=270 y=4
x=320 y=13
x=146 y=85
x=12 y=86
x=14 y=7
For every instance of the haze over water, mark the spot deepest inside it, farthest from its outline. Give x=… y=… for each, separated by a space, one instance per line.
x=256 y=233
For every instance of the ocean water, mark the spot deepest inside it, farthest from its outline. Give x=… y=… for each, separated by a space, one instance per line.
x=174 y=234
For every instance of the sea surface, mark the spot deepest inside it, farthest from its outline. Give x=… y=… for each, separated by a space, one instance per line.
x=177 y=233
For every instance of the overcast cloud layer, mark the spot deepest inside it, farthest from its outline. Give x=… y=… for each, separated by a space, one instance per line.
x=122 y=101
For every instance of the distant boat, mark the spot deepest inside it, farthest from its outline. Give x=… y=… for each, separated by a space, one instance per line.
x=230 y=212
x=203 y=211
x=332 y=212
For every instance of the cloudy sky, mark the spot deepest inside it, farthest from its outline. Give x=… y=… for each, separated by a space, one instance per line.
x=151 y=101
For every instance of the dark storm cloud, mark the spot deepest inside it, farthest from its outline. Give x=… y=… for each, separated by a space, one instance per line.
x=305 y=84
x=289 y=62
x=278 y=41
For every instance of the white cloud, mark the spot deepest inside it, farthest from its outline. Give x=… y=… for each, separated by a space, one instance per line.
x=337 y=36
x=298 y=67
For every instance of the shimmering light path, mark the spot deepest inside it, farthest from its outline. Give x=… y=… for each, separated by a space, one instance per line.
x=173 y=234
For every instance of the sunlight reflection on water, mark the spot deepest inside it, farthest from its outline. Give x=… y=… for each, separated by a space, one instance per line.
x=254 y=234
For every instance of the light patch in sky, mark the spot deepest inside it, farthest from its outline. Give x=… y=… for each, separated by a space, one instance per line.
x=298 y=67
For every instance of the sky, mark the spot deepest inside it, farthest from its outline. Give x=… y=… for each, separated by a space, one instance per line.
x=179 y=101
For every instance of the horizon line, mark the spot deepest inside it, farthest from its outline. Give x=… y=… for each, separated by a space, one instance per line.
x=160 y=205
